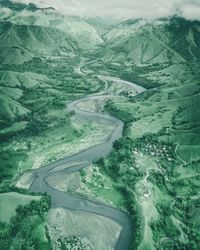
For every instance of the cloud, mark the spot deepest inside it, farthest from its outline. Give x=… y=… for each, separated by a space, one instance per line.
x=189 y=9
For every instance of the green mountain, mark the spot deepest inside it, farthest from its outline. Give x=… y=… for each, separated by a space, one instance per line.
x=48 y=59
x=175 y=40
x=76 y=29
x=164 y=57
x=21 y=41
x=15 y=6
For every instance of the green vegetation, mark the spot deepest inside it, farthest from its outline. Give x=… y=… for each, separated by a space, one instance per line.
x=48 y=60
x=37 y=80
x=162 y=127
x=100 y=186
x=37 y=116
x=26 y=229
x=9 y=203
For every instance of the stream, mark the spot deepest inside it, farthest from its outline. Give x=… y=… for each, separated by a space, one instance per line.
x=80 y=203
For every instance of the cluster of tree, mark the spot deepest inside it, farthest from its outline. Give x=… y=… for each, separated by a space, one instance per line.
x=137 y=220
x=36 y=65
x=8 y=163
x=173 y=241
x=182 y=208
x=164 y=227
x=36 y=124
x=176 y=115
x=5 y=137
x=193 y=233
x=10 y=188
x=178 y=245
x=134 y=77
x=13 y=6
x=74 y=242
x=117 y=166
x=121 y=155
x=122 y=115
x=143 y=96
x=21 y=233
x=5 y=122
x=158 y=179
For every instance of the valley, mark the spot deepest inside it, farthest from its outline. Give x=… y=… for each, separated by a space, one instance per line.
x=99 y=132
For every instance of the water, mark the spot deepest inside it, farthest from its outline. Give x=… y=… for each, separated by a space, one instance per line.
x=75 y=202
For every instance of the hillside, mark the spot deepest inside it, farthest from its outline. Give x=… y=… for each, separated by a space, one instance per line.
x=163 y=123
x=142 y=42
x=75 y=30
x=48 y=60
x=19 y=42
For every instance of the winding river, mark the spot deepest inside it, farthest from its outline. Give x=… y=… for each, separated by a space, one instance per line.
x=80 y=203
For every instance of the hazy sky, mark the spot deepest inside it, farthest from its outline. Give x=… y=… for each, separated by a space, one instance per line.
x=124 y=8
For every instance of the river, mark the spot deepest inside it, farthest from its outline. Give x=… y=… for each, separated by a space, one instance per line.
x=76 y=202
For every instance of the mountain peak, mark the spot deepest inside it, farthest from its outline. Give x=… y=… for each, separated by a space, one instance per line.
x=21 y=6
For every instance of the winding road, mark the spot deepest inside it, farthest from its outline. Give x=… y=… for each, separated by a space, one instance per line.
x=75 y=202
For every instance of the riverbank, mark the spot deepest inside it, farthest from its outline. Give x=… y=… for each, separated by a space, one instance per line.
x=79 y=203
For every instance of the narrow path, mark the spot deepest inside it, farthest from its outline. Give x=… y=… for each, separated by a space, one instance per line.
x=177 y=155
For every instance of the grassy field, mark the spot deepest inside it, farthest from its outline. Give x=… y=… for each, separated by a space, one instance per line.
x=102 y=186
x=62 y=141
x=189 y=153
x=10 y=201
x=164 y=125
x=146 y=199
x=14 y=128
x=26 y=228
